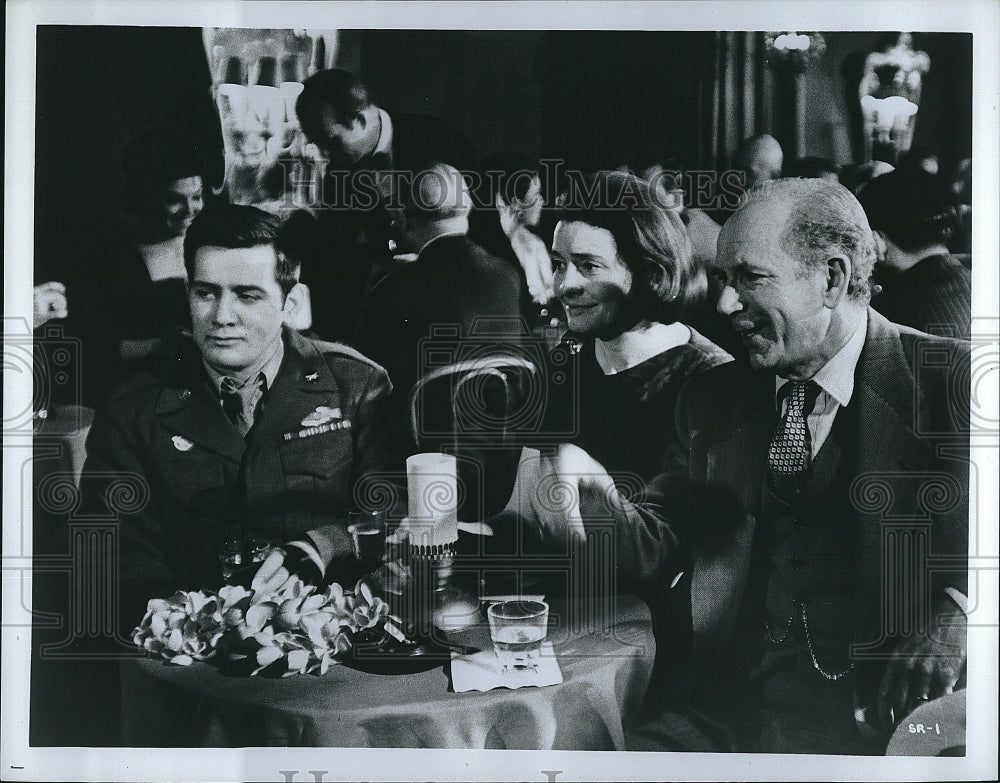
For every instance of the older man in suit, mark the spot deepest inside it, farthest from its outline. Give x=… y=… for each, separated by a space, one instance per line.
x=248 y=430
x=794 y=481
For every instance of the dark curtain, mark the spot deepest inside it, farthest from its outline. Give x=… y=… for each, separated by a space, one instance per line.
x=613 y=98
x=734 y=92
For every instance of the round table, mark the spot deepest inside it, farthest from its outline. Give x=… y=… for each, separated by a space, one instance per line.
x=606 y=667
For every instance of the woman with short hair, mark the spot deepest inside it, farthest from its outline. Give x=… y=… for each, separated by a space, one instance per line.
x=624 y=275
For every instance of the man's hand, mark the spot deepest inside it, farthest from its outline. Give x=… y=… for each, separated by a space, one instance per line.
x=281 y=564
x=924 y=667
x=572 y=487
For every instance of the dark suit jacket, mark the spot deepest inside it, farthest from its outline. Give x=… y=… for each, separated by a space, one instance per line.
x=910 y=462
x=198 y=482
x=419 y=138
x=349 y=247
x=454 y=286
x=934 y=295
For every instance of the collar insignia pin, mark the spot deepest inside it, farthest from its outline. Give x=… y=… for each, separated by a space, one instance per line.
x=184 y=394
x=312 y=377
x=182 y=444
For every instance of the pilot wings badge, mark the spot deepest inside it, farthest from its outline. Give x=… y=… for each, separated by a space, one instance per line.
x=322 y=415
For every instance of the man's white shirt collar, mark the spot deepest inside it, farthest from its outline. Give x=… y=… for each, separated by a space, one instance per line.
x=836 y=377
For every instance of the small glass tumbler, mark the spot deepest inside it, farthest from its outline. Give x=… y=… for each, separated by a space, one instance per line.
x=518 y=629
x=367 y=529
x=240 y=559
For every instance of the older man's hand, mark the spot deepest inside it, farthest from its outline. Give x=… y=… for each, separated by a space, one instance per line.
x=924 y=667
x=572 y=488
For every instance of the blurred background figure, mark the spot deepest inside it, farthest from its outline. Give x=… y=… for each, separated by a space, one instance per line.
x=855 y=177
x=914 y=215
x=351 y=246
x=813 y=167
x=760 y=158
x=133 y=295
x=453 y=285
x=668 y=179
x=164 y=193
x=513 y=185
x=961 y=185
x=757 y=159
x=49 y=302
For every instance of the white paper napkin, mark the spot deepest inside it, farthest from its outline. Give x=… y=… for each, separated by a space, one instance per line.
x=481 y=671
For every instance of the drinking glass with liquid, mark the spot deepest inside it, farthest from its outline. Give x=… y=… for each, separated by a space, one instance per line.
x=518 y=629
x=240 y=559
x=367 y=530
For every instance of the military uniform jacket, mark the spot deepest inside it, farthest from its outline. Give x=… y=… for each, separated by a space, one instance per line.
x=163 y=459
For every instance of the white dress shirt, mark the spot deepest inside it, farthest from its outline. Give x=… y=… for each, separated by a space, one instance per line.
x=836 y=382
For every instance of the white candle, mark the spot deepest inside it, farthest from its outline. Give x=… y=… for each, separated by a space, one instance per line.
x=432 y=490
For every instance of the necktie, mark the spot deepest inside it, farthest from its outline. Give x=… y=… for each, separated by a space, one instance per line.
x=239 y=402
x=790 y=452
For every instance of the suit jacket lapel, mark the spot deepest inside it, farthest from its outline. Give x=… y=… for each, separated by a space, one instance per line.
x=886 y=405
x=741 y=449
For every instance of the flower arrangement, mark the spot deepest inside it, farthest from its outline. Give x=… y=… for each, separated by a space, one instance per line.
x=278 y=631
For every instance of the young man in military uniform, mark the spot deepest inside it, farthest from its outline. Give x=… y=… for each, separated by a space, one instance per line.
x=248 y=430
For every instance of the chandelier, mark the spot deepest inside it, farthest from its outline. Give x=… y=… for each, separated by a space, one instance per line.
x=889 y=93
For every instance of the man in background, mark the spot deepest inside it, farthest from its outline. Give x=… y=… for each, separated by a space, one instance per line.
x=365 y=147
x=914 y=216
x=454 y=287
x=760 y=158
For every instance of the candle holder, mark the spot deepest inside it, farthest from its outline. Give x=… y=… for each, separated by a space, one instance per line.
x=435 y=600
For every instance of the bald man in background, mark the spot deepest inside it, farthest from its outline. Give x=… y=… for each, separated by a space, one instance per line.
x=760 y=158
x=452 y=285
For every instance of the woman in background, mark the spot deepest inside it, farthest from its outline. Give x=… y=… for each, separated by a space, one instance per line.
x=512 y=226
x=132 y=289
x=164 y=192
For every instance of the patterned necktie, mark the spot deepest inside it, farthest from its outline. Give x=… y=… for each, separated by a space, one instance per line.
x=790 y=452
x=239 y=402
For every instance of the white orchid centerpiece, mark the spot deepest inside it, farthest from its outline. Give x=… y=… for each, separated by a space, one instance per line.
x=278 y=627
